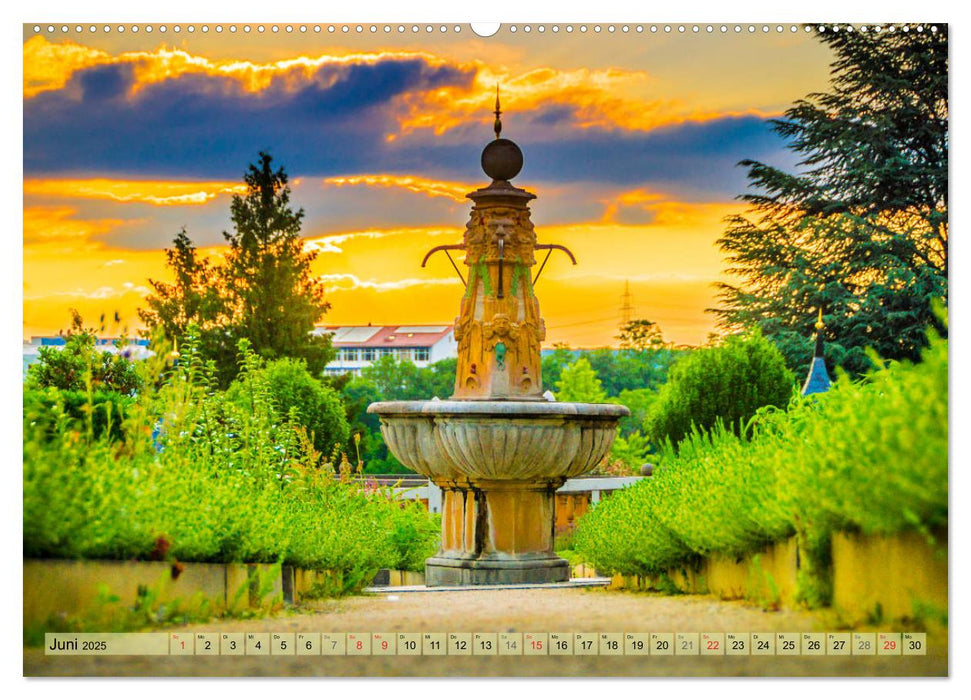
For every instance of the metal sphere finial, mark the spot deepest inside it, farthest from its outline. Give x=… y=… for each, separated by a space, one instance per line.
x=501 y=158
x=819 y=321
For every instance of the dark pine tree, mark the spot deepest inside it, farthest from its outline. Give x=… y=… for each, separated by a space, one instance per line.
x=275 y=298
x=264 y=292
x=196 y=297
x=861 y=229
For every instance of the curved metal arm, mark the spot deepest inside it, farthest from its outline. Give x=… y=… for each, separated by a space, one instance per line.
x=556 y=246
x=549 y=248
x=446 y=248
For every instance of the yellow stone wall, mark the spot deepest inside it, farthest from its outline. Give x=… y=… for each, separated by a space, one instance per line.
x=72 y=588
x=54 y=587
x=901 y=574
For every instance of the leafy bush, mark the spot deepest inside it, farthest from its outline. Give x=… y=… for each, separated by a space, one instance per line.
x=218 y=482
x=78 y=366
x=318 y=407
x=727 y=383
x=868 y=456
x=624 y=534
x=106 y=410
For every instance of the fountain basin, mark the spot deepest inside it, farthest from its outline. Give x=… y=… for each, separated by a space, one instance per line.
x=499 y=464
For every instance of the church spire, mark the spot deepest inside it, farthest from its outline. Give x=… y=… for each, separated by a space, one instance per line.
x=817 y=381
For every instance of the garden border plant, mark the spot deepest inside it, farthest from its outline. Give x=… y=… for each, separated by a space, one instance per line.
x=867 y=456
x=214 y=480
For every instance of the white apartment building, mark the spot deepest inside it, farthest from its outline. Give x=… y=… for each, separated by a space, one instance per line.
x=358 y=346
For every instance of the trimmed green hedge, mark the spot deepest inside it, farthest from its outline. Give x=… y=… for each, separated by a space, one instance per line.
x=868 y=456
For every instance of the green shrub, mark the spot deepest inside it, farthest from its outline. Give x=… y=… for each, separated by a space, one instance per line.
x=106 y=410
x=623 y=534
x=218 y=482
x=867 y=456
x=79 y=366
x=728 y=383
x=318 y=407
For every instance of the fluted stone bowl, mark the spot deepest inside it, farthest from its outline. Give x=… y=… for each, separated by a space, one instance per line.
x=498 y=440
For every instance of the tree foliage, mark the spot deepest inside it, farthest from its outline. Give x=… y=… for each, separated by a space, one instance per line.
x=726 y=383
x=861 y=229
x=642 y=361
x=316 y=407
x=388 y=379
x=640 y=334
x=264 y=292
x=579 y=382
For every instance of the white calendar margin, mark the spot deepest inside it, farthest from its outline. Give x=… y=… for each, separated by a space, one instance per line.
x=474 y=10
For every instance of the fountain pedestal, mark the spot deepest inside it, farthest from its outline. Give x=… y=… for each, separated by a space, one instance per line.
x=497 y=531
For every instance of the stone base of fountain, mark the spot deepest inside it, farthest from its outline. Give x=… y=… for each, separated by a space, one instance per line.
x=484 y=571
x=497 y=531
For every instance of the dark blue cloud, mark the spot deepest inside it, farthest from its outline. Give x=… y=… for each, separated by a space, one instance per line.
x=208 y=126
x=105 y=83
x=696 y=160
x=335 y=123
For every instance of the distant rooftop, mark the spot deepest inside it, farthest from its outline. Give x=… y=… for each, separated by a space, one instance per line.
x=384 y=336
x=55 y=340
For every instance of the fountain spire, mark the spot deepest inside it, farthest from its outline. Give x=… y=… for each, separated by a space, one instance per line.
x=499 y=328
x=498 y=125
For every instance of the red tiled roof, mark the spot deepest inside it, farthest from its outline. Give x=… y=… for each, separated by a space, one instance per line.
x=391 y=337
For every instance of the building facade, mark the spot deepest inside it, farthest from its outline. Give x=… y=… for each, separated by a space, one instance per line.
x=360 y=346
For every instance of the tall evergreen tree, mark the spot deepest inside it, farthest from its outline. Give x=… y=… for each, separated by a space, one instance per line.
x=264 y=292
x=861 y=228
x=274 y=297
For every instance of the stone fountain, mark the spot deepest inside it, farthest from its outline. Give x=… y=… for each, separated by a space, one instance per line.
x=498 y=448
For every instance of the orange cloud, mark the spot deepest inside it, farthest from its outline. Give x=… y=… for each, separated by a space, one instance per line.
x=667 y=211
x=608 y=98
x=49 y=66
x=332 y=243
x=52 y=64
x=155 y=192
x=58 y=224
x=455 y=191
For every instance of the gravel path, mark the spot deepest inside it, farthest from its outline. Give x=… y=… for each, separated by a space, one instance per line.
x=569 y=610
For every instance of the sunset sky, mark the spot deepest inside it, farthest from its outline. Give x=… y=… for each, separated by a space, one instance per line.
x=630 y=141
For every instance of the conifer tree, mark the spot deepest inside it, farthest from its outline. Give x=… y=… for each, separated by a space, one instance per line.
x=861 y=229
x=264 y=292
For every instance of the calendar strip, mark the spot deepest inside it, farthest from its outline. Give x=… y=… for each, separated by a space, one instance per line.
x=488 y=644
